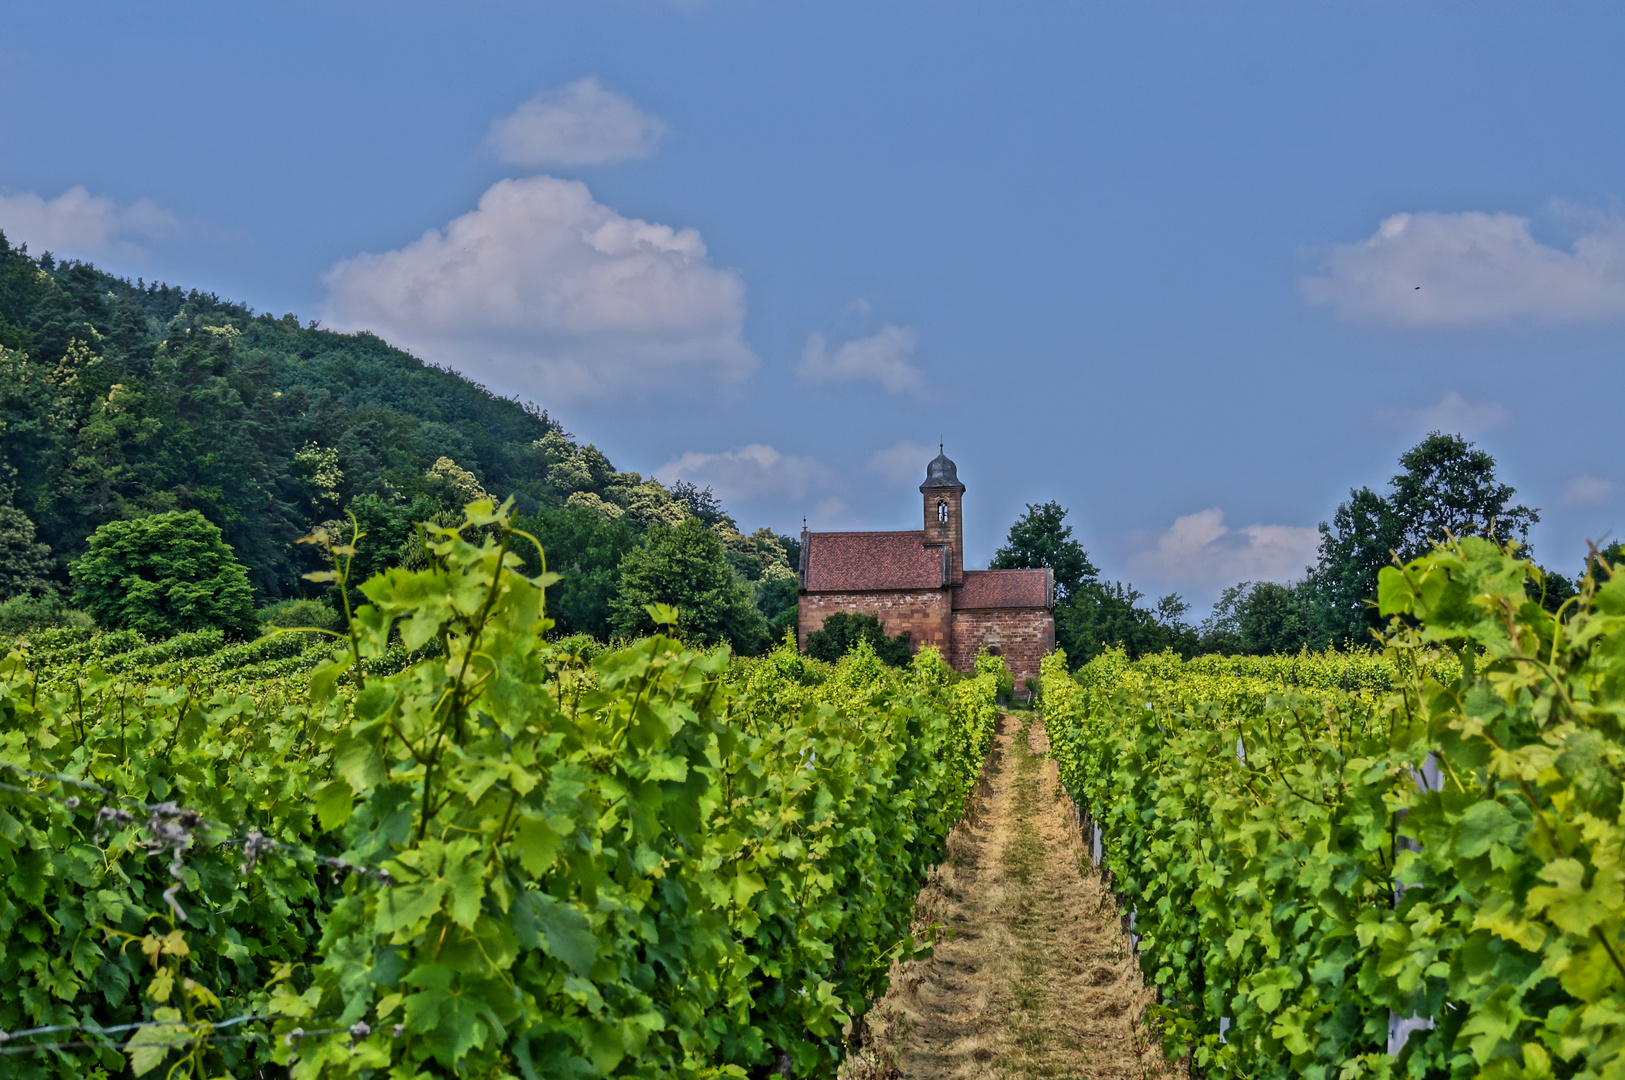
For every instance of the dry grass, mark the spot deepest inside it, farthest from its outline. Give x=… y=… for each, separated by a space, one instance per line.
x=1033 y=976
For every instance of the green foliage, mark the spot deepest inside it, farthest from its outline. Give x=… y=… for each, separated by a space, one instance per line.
x=1104 y=615
x=585 y=549
x=122 y=400
x=996 y=669
x=1040 y=538
x=1350 y=670
x=496 y=860
x=1090 y=615
x=1449 y=489
x=165 y=574
x=299 y=614
x=1265 y=617
x=763 y=555
x=844 y=631
x=1437 y=837
x=1445 y=488
x=1360 y=540
x=27 y=614
x=700 y=503
x=685 y=566
x=778 y=600
x=388 y=529
x=25 y=563
x=1552 y=590
x=91 y=938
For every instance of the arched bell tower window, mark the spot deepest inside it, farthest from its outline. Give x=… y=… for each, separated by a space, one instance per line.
x=942 y=511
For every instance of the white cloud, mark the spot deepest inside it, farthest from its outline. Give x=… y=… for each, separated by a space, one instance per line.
x=901 y=463
x=833 y=513
x=582 y=123
x=1586 y=490
x=1462 y=269
x=1451 y=413
x=1200 y=552
x=544 y=289
x=80 y=224
x=750 y=472
x=886 y=357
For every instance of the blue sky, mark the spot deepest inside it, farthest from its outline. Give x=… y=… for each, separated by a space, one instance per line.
x=1192 y=270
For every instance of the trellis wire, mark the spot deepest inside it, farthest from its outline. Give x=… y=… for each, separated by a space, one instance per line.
x=96 y=1029
x=172 y=827
x=356 y=1031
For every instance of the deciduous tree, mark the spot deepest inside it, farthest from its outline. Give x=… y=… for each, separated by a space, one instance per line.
x=165 y=574
x=684 y=565
x=1040 y=538
x=843 y=631
x=1446 y=488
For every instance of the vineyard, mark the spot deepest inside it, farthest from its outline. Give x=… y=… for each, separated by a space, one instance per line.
x=1407 y=864
x=443 y=845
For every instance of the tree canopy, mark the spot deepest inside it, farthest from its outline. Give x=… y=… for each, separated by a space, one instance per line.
x=1090 y=615
x=1103 y=614
x=685 y=566
x=1041 y=539
x=843 y=631
x=1446 y=487
x=25 y=563
x=586 y=548
x=164 y=574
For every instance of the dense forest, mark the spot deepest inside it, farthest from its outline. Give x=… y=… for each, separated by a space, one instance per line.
x=122 y=400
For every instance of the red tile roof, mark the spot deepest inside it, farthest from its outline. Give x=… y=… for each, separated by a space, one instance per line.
x=1003 y=589
x=861 y=561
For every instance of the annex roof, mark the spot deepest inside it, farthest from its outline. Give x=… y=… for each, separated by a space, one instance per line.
x=985 y=589
x=864 y=561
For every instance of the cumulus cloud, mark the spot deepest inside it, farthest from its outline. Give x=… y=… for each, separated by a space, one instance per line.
x=1472 y=268
x=901 y=463
x=80 y=224
x=1200 y=552
x=542 y=288
x=582 y=123
x=1586 y=490
x=750 y=472
x=886 y=357
x=1452 y=412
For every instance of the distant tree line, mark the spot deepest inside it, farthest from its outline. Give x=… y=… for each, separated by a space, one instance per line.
x=240 y=432
x=1445 y=487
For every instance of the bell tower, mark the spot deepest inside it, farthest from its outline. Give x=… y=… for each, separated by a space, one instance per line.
x=943 y=521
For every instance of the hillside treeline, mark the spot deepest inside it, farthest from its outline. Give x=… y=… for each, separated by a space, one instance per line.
x=122 y=400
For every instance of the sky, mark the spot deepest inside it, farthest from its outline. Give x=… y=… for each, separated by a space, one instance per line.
x=1192 y=270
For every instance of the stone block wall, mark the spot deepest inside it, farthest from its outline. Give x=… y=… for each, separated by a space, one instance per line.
x=923 y=614
x=1022 y=636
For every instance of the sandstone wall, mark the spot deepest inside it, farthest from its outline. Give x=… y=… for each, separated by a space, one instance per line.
x=923 y=614
x=1022 y=636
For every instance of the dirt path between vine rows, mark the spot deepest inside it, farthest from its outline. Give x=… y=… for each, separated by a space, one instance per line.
x=1033 y=976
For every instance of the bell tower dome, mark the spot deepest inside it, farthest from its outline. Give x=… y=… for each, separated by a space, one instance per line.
x=943 y=521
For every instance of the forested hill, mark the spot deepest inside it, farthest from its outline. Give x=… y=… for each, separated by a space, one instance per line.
x=121 y=399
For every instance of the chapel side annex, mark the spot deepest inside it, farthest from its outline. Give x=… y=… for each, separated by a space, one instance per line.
x=915 y=581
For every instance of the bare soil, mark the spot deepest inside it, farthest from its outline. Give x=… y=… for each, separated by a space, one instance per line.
x=1032 y=975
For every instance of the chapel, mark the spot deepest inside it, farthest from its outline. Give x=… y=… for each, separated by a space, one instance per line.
x=916 y=583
